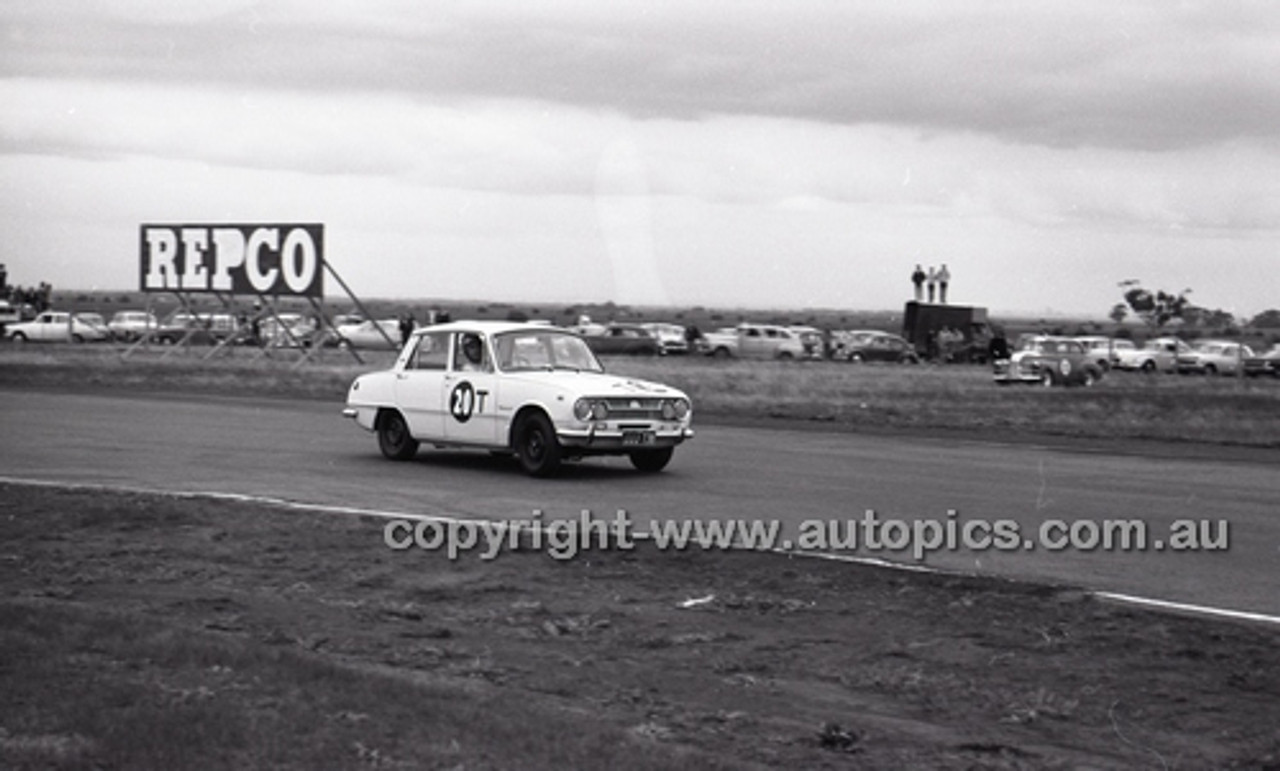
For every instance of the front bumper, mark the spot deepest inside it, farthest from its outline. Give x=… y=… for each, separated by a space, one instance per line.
x=1006 y=371
x=624 y=438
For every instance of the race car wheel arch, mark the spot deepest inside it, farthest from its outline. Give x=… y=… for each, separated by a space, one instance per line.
x=394 y=439
x=535 y=443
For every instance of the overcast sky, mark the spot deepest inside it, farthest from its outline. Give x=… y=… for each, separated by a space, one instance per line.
x=785 y=153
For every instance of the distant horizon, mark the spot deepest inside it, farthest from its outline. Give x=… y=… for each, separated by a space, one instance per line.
x=559 y=305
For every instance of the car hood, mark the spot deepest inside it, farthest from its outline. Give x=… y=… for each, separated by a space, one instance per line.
x=594 y=383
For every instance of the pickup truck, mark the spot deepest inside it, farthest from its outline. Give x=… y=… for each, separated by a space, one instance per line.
x=756 y=341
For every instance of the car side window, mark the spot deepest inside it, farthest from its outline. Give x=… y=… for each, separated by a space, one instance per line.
x=432 y=352
x=469 y=353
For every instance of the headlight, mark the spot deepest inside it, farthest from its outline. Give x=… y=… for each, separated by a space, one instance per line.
x=668 y=409
x=681 y=408
x=582 y=409
x=599 y=411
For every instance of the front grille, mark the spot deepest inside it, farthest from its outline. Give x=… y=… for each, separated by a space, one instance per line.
x=623 y=408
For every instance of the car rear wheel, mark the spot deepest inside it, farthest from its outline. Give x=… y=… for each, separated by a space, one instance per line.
x=1047 y=378
x=721 y=353
x=652 y=461
x=537 y=446
x=1209 y=369
x=1090 y=378
x=394 y=438
x=1148 y=366
x=19 y=338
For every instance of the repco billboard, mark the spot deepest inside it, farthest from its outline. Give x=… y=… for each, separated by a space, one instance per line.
x=238 y=259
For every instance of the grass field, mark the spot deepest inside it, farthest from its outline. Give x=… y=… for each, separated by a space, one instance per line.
x=843 y=396
x=151 y=632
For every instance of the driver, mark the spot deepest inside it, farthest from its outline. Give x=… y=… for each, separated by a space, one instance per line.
x=472 y=359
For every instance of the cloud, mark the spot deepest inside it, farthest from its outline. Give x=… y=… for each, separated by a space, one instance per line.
x=1145 y=75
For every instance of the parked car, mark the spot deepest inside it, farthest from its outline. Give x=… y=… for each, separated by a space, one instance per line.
x=9 y=314
x=880 y=346
x=383 y=334
x=758 y=341
x=1048 y=361
x=623 y=339
x=672 y=338
x=1159 y=354
x=1104 y=349
x=59 y=326
x=1211 y=357
x=534 y=391
x=843 y=339
x=287 y=330
x=132 y=325
x=1267 y=363
x=811 y=341
x=195 y=329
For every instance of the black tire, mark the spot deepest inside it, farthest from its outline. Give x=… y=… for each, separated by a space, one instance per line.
x=855 y=358
x=652 y=461
x=785 y=356
x=1090 y=378
x=1209 y=369
x=19 y=338
x=1149 y=366
x=721 y=353
x=77 y=339
x=537 y=447
x=1048 y=378
x=394 y=439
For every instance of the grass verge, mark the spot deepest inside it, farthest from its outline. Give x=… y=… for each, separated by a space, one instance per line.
x=1211 y=410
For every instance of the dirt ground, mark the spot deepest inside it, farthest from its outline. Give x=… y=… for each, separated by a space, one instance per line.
x=695 y=659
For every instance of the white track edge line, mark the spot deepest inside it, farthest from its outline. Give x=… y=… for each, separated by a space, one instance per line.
x=1117 y=597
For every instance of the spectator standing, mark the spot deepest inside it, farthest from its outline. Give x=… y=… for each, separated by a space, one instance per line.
x=999 y=346
x=944 y=277
x=917 y=278
x=407 y=324
x=932 y=278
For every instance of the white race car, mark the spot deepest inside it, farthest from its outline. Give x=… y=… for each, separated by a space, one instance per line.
x=531 y=390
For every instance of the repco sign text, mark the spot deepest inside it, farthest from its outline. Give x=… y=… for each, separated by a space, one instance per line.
x=238 y=259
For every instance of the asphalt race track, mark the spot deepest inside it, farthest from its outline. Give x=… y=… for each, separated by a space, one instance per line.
x=305 y=451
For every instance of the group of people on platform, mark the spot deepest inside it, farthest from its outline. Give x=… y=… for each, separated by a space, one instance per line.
x=935 y=280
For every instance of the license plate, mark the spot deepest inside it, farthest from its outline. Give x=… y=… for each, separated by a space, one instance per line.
x=637 y=437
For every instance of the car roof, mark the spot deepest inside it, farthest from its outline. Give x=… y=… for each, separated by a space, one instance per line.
x=487 y=327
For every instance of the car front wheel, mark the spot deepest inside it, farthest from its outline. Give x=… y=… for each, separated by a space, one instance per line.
x=537 y=446
x=394 y=438
x=652 y=461
x=1047 y=378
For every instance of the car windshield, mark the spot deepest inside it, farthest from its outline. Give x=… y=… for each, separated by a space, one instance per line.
x=543 y=349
